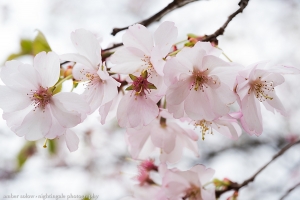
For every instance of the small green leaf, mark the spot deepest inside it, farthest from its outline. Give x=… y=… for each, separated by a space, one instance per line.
x=52 y=146
x=27 y=151
x=151 y=86
x=26 y=46
x=40 y=44
x=191 y=35
x=132 y=77
x=129 y=88
x=13 y=56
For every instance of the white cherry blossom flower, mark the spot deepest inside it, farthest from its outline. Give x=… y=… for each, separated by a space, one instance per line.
x=199 y=83
x=101 y=88
x=143 y=50
x=256 y=85
x=31 y=108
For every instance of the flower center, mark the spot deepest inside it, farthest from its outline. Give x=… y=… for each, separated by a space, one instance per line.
x=262 y=89
x=93 y=78
x=140 y=84
x=201 y=80
x=192 y=193
x=205 y=127
x=40 y=97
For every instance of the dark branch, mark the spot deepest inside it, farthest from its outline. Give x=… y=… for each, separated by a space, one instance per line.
x=236 y=186
x=114 y=46
x=289 y=191
x=213 y=37
x=156 y=17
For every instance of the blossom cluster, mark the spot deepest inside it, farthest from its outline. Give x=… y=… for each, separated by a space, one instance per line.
x=155 y=86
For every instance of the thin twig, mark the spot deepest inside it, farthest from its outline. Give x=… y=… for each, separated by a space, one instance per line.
x=213 y=37
x=236 y=186
x=289 y=191
x=156 y=17
x=114 y=46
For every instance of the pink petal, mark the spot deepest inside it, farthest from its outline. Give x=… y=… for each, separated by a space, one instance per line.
x=138 y=36
x=157 y=60
x=94 y=95
x=36 y=124
x=80 y=71
x=176 y=110
x=209 y=49
x=163 y=137
x=10 y=68
x=15 y=119
x=220 y=98
x=174 y=68
x=211 y=62
x=198 y=106
x=252 y=119
x=276 y=103
x=141 y=111
x=79 y=59
x=103 y=111
x=179 y=91
x=122 y=111
x=69 y=109
x=87 y=45
x=128 y=60
x=13 y=100
x=175 y=155
x=48 y=67
x=56 y=130
x=72 y=140
x=137 y=139
x=164 y=36
x=28 y=78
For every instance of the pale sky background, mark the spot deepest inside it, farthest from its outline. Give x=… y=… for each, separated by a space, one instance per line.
x=266 y=30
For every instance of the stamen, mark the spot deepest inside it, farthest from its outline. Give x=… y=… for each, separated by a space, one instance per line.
x=261 y=89
x=205 y=127
x=45 y=143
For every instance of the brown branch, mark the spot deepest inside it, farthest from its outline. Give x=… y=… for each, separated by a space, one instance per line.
x=236 y=186
x=156 y=17
x=114 y=46
x=213 y=37
x=289 y=191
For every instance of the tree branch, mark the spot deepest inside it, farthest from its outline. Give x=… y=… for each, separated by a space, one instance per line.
x=289 y=191
x=213 y=37
x=236 y=186
x=156 y=17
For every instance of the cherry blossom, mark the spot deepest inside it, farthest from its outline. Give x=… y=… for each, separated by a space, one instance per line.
x=256 y=85
x=199 y=83
x=138 y=108
x=226 y=125
x=144 y=50
x=190 y=184
x=101 y=88
x=31 y=105
x=166 y=135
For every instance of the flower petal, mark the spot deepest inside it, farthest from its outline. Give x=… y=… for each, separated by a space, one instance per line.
x=36 y=124
x=164 y=36
x=140 y=37
x=78 y=59
x=128 y=60
x=87 y=45
x=48 y=67
x=72 y=140
x=13 y=100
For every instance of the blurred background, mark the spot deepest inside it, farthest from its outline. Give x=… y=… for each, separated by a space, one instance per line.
x=266 y=30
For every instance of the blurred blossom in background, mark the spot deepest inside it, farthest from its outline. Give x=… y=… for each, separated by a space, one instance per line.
x=266 y=30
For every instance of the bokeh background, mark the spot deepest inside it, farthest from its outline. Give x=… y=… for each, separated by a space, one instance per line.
x=266 y=30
